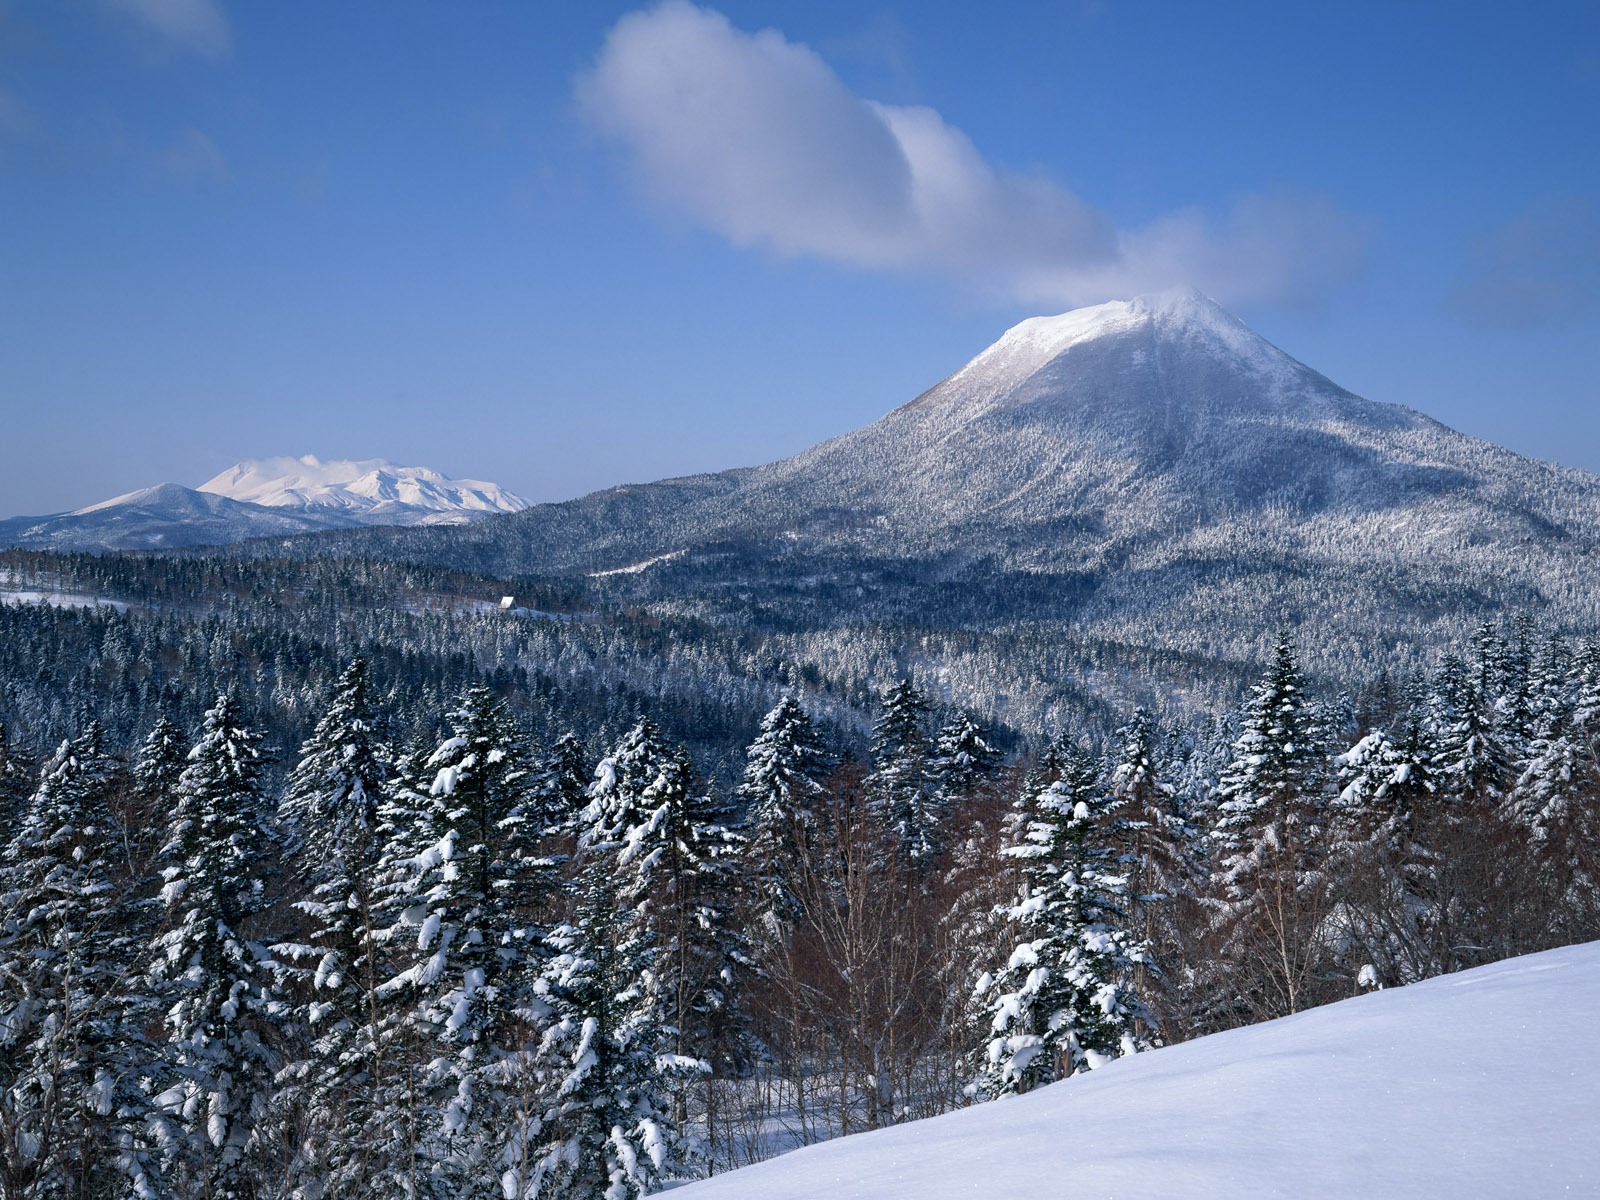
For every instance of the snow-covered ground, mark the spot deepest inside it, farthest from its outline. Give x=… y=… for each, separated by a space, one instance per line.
x=1482 y=1084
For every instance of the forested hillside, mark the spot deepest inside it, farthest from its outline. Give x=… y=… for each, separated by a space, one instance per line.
x=474 y=960
x=1135 y=683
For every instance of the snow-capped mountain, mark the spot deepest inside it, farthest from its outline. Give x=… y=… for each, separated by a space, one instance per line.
x=1393 y=1094
x=372 y=491
x=154 y=518
x=1149 y=474
x=264 y=498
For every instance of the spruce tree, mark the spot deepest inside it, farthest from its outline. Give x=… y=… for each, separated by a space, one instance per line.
x=782 y=782
x=602 y=1126
x=213 y=977
x=1268 y=892
x=1062 y=1001
x=72 y=1040
x=330 y=806
x=900 y=784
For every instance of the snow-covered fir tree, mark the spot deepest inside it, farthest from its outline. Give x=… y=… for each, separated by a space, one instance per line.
x=564 y=783
x=1556 y=800
x=72 y=1023
x=1156 y=842
x=679 y=878
x=600 y=1125
x=160 y=763
x=961 y=759
x=1063 y=1000
x=468 y=902
x=783 y=770
x=16 y=780
x=1379 y=869
x=213 y=976
x=330 y=808
x=1475 y=758
x=1383 y=783
x=1266 y=841
x=900 y=784
x=616 y=797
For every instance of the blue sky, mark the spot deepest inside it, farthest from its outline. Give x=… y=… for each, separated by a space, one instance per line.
x=566 y=244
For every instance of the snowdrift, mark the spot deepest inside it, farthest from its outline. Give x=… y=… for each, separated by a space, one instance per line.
x=1482 y=1084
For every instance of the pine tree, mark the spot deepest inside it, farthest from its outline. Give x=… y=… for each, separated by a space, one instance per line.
x=900 y=785
x=467 y=903
x=782 y=782
x=72 y=1041
x=602 y=1126
x=960 y=760
x=330 y=806
x=1267 y=890
x=214 y=979
x=1063 y=1001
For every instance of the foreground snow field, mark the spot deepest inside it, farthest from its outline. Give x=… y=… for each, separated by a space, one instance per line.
x=1482 y=1084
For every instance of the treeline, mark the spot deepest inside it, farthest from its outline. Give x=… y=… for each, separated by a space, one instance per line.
x=483 y=966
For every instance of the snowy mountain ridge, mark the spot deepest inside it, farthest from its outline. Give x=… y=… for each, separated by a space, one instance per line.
x=1148 y=472
x=1470 y=1086
x=366 y=489
x=261 y=498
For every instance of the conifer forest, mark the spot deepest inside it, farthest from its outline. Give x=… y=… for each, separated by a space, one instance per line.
x=308 y=892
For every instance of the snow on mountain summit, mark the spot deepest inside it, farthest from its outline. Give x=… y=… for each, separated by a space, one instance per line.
x=265 y=498
x=1180 y=316
x=368 y=491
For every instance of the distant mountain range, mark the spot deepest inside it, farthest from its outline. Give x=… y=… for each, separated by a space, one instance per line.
x=261 y=498
x=1150 y=475
x=1143 y=490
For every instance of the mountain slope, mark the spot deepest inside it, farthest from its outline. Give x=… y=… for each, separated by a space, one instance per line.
x=155 y=518
x=1472 y=1085
x=274 y=497
x=1148 y=472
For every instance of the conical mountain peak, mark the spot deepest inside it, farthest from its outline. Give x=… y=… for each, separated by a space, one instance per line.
x=1176 y=346
x=1182 y=316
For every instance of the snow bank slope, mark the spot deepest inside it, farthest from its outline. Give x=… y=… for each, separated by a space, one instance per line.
x=1481 y=1084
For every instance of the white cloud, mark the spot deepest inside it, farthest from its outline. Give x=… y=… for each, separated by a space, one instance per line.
x=196 y=25
x=756 y=138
